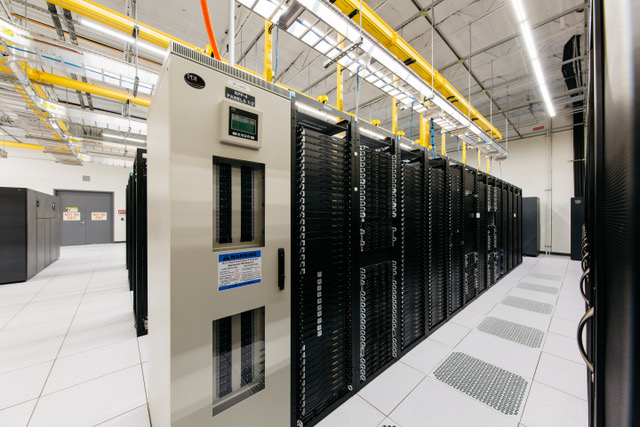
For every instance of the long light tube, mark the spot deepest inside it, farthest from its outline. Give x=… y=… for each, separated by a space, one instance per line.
x=527 y=36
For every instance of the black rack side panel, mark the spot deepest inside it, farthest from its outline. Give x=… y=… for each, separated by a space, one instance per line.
x=493 y=258
x=438 y=241
x=413 y=259
x=456 y=230
x=505 y=230
x=322 y=273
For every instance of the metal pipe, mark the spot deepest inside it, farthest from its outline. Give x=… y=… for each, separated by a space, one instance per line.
x=232 y=31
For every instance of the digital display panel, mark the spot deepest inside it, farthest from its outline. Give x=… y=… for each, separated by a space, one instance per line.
x=243 y=123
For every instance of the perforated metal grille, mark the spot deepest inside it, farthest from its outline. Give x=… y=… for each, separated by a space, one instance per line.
x=528 y=304
x=545 y=276
x=487 y=383
x=537 y=288
x=510 y=331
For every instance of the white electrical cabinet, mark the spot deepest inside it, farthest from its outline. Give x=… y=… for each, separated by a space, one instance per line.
x=219 y=203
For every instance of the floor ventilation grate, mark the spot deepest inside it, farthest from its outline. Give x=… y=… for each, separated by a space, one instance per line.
x=545 y=276
x=491 y=385
x=514 y=332
x=528 y=304
x=537 y=288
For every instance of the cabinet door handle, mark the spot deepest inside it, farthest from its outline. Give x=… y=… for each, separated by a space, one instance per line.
x=583 y=280
x=281 y=273
x=588 y=315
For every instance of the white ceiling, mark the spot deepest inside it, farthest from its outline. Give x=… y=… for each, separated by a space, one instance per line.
x=486 y=28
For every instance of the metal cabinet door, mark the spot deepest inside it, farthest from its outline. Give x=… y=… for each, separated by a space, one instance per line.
x=99 y=218
x=72 y=231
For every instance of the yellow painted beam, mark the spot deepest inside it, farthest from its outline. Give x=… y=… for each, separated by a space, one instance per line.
x=424 y=134
x=21 y=145
x=444 y=139
x=118 y=21
x=394 y=110
x=268 y=49
x=42 y=77
x=381 y=31
x=464 y=152
x=339 y=83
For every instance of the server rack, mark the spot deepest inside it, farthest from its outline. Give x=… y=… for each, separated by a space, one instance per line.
x=455 y=227
x=389 y=229
x=438 y=243
x=136 y=247
x=323 y=251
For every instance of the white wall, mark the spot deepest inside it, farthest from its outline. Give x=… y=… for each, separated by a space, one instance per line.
x=539 y=164
x=39 y=171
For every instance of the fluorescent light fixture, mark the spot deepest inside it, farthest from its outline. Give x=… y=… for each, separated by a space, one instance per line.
x=122 y=138
x=122 y=36
x=527 y=36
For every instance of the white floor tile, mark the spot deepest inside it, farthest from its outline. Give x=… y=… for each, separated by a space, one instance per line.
x=143 y=343
x=92 y=402
x=23 y=385
x=426 y=356
x=469 y=318
x=100 y=337
x=88 y=365
x=560 y=326
x=513 y=357
x=355 y=412
x=570 y=302
x=433 y=403
x=569 y=313
x=564 y=347
x=18 y=415
x=19 y=336
x=145 y=376
x=387 y=390
x=138 y=417
x=26 y=355
x=481 y=306
x=388 y=422
x=547 y=406
x=85 y=322
x=562 y=374
x=450 y=334
x=533 y=295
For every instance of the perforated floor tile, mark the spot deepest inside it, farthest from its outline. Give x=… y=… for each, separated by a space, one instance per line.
x=538 y=288
x=528 y=304
x=511 y=331
x=545 y=276
x=491 y=385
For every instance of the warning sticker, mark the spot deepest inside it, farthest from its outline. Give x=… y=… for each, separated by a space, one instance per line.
x=71 y=216
x=98 y=216
x=239 y=269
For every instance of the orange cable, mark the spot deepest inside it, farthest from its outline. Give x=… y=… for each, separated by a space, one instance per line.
x=207 y=23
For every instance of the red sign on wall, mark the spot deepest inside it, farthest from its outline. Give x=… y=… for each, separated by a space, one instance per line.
x=538 y=128
x=122 y=211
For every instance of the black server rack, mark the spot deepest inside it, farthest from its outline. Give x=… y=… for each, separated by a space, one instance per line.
x=455 y=193
x=510 y=228
x=388 y=244
x=30 y=230
x=323 y=254
x=519 y=226
x=470 y=235
x=414 y=246
x=136 y=247
x=531 y=226
x=438 y=243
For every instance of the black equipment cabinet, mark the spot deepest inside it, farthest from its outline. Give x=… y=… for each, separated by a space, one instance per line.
x=30 y=230
x=610 y=252
x=388 y=243
x=531 y=226
x=136 y=248
x=577 y=225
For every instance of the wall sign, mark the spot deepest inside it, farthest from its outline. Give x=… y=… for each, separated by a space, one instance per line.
x=239 y=269
x=98 y=216
x=236 y=95
x=122 y=211
x=71 y=216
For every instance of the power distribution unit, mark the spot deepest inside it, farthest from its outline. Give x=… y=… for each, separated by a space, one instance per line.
x=219 y=211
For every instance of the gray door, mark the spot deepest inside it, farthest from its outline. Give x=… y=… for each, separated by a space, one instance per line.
x=87 y=217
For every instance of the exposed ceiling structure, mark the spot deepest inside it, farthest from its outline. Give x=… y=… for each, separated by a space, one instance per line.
x=82 y=74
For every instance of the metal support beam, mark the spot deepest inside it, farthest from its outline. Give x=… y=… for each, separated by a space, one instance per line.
x=339 y=84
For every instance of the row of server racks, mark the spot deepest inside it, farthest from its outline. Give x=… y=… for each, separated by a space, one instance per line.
x=136 y=246
x=388 y=244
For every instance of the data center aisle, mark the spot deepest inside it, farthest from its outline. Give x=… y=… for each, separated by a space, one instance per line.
x=510 y=358
x=69 y=355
